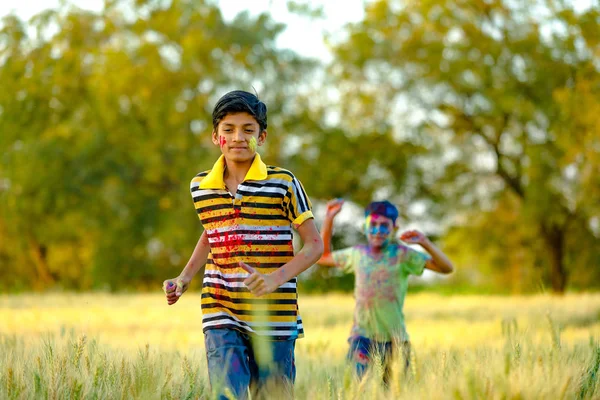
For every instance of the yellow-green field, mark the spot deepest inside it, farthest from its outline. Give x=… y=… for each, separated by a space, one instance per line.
x=69 y=346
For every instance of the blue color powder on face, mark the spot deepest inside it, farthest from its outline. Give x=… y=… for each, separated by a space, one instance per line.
x=383 y=229
x=379 y=228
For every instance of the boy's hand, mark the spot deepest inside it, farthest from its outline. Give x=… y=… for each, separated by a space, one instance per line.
x=413 y=237
x=259 y=284
x=174 y=288
x=334 y=207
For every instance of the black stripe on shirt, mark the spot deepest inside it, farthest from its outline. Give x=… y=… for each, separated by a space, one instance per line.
x=242 y=215
x=251 y=232
x=268 y=184
x=207 y=295
x=301 y=196
x=276 y=206
x=213 y=207
x=211 y=196
x=273 y=171
x=271 y=313
x=234 y=279
x=251 y=253
x=291 y=206
x=249 y=242
x=233 y=265
x=260 y=194
x=244 y=289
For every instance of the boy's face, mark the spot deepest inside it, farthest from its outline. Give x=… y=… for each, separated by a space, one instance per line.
x=238 y=135
x=379 y=230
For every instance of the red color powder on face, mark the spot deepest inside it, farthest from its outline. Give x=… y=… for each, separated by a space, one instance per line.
x=222 y=141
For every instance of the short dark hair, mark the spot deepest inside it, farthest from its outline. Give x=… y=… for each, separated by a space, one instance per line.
x=383 y=208
x=240 y=101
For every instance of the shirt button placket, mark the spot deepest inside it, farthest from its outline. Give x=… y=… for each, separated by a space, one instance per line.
x=237 y=209
x=237 y=201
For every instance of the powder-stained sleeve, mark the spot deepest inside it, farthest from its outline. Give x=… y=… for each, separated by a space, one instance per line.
x=299 y=207
x=195 y=188
x=413 y=262
x=346 y=259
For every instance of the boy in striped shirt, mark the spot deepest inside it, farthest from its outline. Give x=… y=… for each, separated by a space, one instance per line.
x=249 y=299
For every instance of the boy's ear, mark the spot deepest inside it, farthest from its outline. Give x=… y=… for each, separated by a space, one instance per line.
x=215 y=138
x=262 y=137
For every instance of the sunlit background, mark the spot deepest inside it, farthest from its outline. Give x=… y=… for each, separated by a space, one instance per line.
x=480 y=119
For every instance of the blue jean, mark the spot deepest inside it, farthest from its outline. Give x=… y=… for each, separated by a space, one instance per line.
x=238 y=362
x=363 y=350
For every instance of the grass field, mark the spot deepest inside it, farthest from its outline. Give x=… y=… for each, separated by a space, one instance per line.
x=74 y=346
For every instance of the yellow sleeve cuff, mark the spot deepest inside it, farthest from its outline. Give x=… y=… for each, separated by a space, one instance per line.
x=302 y=218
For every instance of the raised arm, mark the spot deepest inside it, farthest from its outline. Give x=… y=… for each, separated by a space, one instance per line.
x=333 y=209
x=439 y=261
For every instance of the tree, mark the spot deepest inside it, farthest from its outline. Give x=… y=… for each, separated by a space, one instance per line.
x=504 y=94
x=105 y=118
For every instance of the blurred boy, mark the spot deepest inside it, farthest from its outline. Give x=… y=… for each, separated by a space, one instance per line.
x=249 y=292
x=381 y=271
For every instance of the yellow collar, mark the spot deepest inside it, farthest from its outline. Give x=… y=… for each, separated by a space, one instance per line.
x=214 y=179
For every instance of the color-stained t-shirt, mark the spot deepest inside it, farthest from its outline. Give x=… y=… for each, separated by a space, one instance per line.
x=255 y=227
x=381 y=284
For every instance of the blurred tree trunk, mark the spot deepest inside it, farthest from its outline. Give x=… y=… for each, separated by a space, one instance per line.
x=39 y=253
x=554 y=239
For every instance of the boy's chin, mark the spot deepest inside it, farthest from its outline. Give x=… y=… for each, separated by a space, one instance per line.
x=378 y=243
x=239 y=158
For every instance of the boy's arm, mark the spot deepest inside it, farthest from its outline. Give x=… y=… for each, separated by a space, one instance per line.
x=333 y=208
x=261 y=284
x=439 y=261
x=174 y=288
x=198 y=259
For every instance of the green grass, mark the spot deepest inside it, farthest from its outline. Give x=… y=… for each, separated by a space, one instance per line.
x=465 y=347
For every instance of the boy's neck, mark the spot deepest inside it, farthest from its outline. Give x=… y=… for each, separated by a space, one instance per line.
x=376 y=249
x=237 y=171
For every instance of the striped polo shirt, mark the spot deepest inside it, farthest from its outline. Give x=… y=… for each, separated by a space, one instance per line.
x=254 y=226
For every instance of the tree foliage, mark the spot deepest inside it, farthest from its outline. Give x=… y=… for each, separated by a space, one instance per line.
x=506 y=94
x=483 y=113
x=105 y=117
